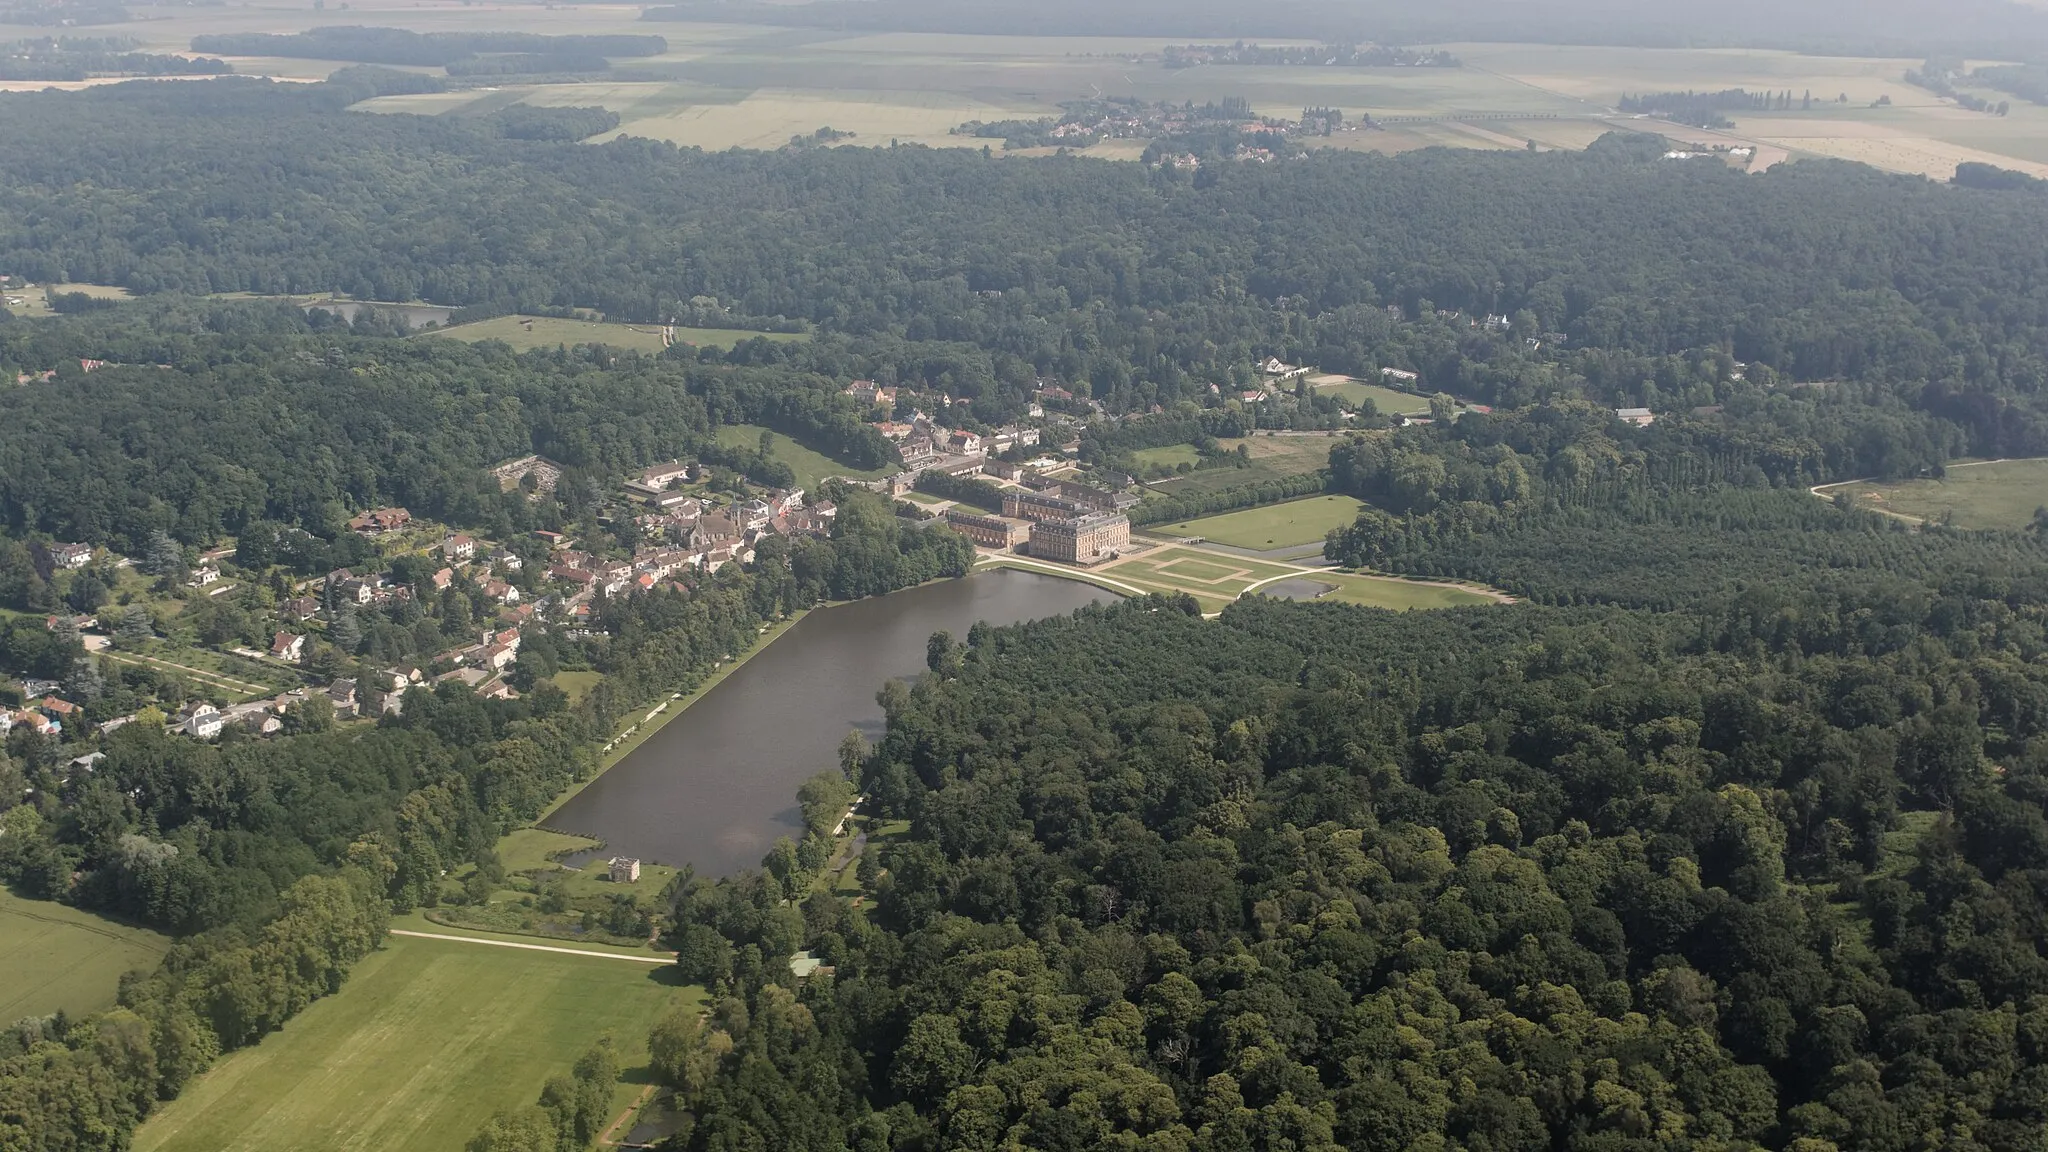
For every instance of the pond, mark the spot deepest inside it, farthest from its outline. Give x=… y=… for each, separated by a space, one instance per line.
x=717 y=785
x=414 y=315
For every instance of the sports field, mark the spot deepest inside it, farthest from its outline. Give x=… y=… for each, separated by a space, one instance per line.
x=53 y=956
x=1386 y=400
x=426 y=1041
x=2001 y=494
x=525 y=333
x=1274 y=526
x=810 y=466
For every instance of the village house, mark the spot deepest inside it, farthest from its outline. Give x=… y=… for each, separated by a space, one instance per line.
x=554 y=540
x=963 y=443
x=342 y=694
x=507 y=559
x=678 y=504
x=70 y=557
x=458 y=548
x=787 y=502
x=288 y=647
x=442 y=580
x=568 y=574
x=1640 y=417
x=201 y=577
x=62 y=711
x=891 y=430
x=1279 y=369
x=499 y=592
x=29 y=720
x=385 y=693
x=380 y=521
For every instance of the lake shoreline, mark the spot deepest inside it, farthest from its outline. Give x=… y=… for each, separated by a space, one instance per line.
x=623 y=746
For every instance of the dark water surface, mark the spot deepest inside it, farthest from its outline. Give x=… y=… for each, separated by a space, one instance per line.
x=717 y=785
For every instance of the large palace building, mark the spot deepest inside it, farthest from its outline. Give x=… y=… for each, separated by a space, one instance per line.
x=1081 y=539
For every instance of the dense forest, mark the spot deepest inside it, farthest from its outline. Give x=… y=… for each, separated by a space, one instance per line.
x=1315 y=877
x=1671 y=283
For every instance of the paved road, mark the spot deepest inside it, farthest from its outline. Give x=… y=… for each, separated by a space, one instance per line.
x=536 y=947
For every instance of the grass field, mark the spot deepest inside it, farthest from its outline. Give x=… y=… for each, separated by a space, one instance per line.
x=54 y=957
x=1275 y=526
x=2002 y=494
x=423 y=1044
x=1386 y=400
x=577 y=685
x=810 y=466
x=528 y=332
x=1170 y=456
x=1390 y=592
x=1273 y=458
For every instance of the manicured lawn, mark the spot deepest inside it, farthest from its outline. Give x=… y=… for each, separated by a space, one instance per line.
x=2004 y=494
x=53 y=957
x=529 y=332
x=426 y=1041
x=810 y=466
x=1275 y=526
x=1197 y=570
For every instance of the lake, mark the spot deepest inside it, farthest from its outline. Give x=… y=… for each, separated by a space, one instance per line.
x=414 y=315
x=717 y=785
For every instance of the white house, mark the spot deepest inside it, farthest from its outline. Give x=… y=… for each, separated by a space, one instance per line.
x=288 y=647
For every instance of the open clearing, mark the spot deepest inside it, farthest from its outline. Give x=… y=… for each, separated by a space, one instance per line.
x=1274 y=526
x=1376 y=592
x=525 y=333
x=2000 y=494
x=810 y=466
x=53 y=957
x=1211 y=577
x=427 y=1040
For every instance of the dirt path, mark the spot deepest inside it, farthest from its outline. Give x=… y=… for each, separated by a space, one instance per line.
x=535 y=947
x=608 y=1139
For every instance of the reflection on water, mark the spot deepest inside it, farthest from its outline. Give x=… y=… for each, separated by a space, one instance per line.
x=717 y=785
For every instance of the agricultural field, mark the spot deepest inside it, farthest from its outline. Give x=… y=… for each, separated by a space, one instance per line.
x=56 y=957
x=525 y=333
x=1274 y=526
x=724 y=85
x=810 y=466
x=1376 y=592
x=1999 y=494
x=426 y=1041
